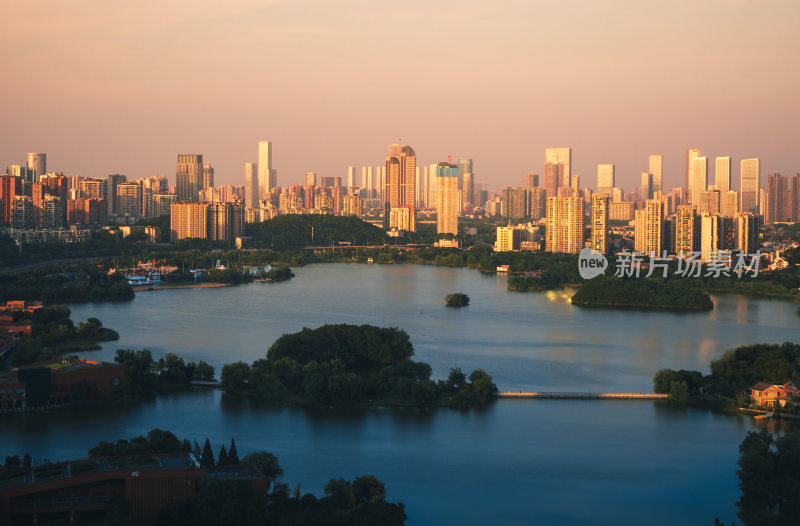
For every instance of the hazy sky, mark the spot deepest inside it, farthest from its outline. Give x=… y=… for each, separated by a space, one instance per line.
x=105 y=87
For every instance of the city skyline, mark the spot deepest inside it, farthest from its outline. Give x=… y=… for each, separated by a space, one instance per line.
x=323 y=115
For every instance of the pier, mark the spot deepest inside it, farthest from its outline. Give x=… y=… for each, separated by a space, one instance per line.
x=583 y=396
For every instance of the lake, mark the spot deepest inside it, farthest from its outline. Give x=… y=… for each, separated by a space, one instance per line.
x=515 y=462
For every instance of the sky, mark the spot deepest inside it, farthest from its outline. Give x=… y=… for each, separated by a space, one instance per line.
x=124 y=87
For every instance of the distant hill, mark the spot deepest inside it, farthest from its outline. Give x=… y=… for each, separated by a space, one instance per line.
x=295 y=231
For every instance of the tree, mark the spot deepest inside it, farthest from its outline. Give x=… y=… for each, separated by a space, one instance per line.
x=267 y=463
x=12 y=462
x=222 y=457
x=457 y=300
x=368 y=488
x=203 y=371
x=208 y=456
x=339 y=494
x=233 y=455
x=767 y=473
x=163 y=441
x=26 y=460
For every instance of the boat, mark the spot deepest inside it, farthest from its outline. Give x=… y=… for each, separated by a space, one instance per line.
x=369 y=260
x=764 y=416
x=151 y=280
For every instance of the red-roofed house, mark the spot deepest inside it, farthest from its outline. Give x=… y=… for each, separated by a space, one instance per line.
x=774 y=396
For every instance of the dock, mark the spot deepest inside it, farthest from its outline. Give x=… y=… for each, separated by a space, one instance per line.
x=583 y=396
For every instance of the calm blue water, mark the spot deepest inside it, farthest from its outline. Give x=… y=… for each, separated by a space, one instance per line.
x=516 y=462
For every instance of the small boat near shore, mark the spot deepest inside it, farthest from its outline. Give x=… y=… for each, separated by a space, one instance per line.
x=764 y=416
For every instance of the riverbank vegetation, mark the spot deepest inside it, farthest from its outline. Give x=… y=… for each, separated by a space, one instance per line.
x=145 y=376
x=640 y=294
x=351 y=365
x=82 y=283
x=732 y=375
x=54 y=334
x=279 y=273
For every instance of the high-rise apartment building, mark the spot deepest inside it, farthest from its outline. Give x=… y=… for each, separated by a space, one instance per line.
x=447 y=199
x=514 y=203
x=351 y=205
x=37 y=165
x=129 y=199
x=599 y=219
x=716 y=233
x=747 y=232
x=508 y=239
x=351 y=176
x=793 y=213
x=531 y=181
x=749 y=186
x=561 y=156
x=188 y=220
x=189 y=177
x=729 y=203
x=537 y=202
x=722 y=174
x=709 y=202
x=687 y=232
x=777 y=199
x=605 y=178
x=468 y=190
x=9 y=189
x=648 y=228
x=564 y=224
x=656 y=167
x=225 y=221
x=400 y=173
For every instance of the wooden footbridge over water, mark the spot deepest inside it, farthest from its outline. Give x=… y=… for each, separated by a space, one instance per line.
x=583 y=396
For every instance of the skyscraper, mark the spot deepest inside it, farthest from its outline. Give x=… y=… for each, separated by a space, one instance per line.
x=553 y=178
x=464 y=167
x=647 y=186
x=251 y=185
x=351 y=176
x=605 y=178
x=447 y=199
x=468 y=189
x=656 y=167
x=599 y=218
x=699 y=181
x=722 y=177
x=267 y=176
x=749 y=186
x=311 y=179
x=37 y=165
x=560 y=156
x=208 y=176
x=189 y=177
x=691 y=155
x=400 y=173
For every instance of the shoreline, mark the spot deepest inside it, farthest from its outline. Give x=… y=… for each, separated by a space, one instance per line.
x=187 y=286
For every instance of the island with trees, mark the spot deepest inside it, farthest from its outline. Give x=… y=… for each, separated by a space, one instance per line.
x=652 y=293
x=146 y=376
x=351 y=365
x=457 y=299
